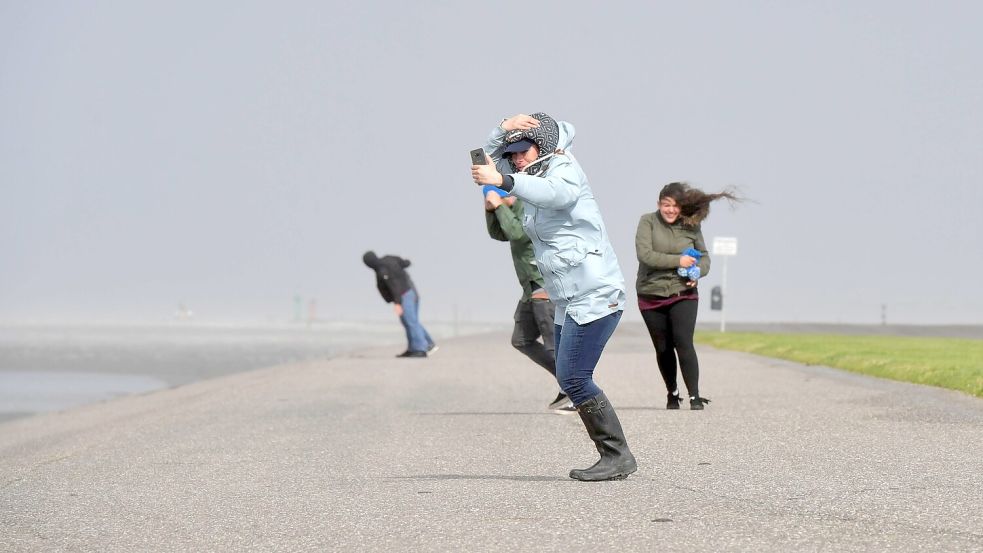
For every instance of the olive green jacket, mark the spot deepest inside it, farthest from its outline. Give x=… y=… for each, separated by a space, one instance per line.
x=505 y=224
x=658 y=246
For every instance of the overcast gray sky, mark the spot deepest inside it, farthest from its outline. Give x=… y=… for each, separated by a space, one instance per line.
x=229 y=155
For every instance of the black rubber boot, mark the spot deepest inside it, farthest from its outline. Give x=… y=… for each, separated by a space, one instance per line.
x=604 y=428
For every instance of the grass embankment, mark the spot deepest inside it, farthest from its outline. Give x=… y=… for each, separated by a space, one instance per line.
x=946 y=362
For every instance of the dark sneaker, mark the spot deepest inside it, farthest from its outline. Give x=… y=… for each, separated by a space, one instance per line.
x=409 y=353
x=672 y=401
x=565 y=409
x=432 y=349
x=696 y=403
x=560 y=400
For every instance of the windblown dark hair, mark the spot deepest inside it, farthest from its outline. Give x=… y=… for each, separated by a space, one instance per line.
x=694 y=204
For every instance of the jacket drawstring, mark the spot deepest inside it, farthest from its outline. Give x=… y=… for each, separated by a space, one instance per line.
x=542 y=158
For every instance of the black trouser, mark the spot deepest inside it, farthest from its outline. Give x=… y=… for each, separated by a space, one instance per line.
x=671 y=329
x=534 y=319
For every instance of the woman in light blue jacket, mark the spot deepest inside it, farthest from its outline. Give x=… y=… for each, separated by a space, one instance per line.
x=529 y=156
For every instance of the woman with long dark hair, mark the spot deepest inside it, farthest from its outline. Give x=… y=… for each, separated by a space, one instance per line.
x=672 y=257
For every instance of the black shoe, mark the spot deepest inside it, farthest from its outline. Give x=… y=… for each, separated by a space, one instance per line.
x=409 y=353
x=696 y=403
x=672 y=401
x=560 y=401
x=604 y=429
x=565 y=409
x=562 y=405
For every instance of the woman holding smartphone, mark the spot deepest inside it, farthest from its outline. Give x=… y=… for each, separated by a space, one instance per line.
x=529 y=157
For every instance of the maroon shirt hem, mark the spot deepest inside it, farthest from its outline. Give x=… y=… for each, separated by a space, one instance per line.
x=646 y=302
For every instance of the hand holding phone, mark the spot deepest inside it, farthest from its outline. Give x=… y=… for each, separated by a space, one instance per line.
x=478 y=157
x=483 y=172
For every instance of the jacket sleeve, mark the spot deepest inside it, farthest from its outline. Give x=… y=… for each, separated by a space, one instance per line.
x=384 y=290
x=494 y=146
x=699 y=244
x=509 y=223
x=394 y=297
x=560 y=187
x=494 y=227
x=647 y=254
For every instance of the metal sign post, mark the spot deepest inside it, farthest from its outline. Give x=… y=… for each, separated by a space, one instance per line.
x=726 y=247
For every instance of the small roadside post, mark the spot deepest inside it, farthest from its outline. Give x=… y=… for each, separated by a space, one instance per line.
x=724 y=246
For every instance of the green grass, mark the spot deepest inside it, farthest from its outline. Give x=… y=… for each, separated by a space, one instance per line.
x=945 y=362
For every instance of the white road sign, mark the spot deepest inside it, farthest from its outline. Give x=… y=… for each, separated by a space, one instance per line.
x=724 y=246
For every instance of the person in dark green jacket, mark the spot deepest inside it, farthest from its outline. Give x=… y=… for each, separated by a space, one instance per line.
x=668 y=301
x=534 y=312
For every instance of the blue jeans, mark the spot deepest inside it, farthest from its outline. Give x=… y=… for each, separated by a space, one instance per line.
x=578 y=348
x=417 y=337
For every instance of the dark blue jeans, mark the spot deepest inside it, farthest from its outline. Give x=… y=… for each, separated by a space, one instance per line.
x=578 y=348
x=417 y=337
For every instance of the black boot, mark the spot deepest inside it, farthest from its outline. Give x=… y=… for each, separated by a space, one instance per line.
x=604 y=428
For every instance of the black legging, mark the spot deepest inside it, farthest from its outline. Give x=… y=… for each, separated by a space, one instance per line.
x=671 y=329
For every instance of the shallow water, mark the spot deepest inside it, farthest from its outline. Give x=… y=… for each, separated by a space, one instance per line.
x=50 y=368
x=24 y=392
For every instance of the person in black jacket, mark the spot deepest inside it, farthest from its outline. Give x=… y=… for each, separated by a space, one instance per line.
x=396 y=287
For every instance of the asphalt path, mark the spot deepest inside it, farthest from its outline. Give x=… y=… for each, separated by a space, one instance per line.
x=457 y=453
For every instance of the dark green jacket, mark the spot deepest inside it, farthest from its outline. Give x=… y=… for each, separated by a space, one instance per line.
x=505 y=224
x=658 y=246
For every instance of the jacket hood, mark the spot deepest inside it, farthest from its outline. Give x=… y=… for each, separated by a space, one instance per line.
x=370 y=259
x=550 y=137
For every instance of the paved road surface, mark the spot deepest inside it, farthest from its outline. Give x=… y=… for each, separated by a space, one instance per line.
x=455 y=453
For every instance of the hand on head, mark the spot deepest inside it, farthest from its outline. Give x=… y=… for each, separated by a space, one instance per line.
x=520 y=122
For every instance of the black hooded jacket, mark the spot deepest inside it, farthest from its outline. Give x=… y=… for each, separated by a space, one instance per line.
x=390 y=275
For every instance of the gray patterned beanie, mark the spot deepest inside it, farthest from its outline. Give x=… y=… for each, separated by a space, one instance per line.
x=546 y=136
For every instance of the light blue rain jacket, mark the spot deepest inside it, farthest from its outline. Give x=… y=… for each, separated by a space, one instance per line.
x=568 y=236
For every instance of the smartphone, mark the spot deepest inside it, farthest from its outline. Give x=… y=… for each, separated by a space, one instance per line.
x=478 y=157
